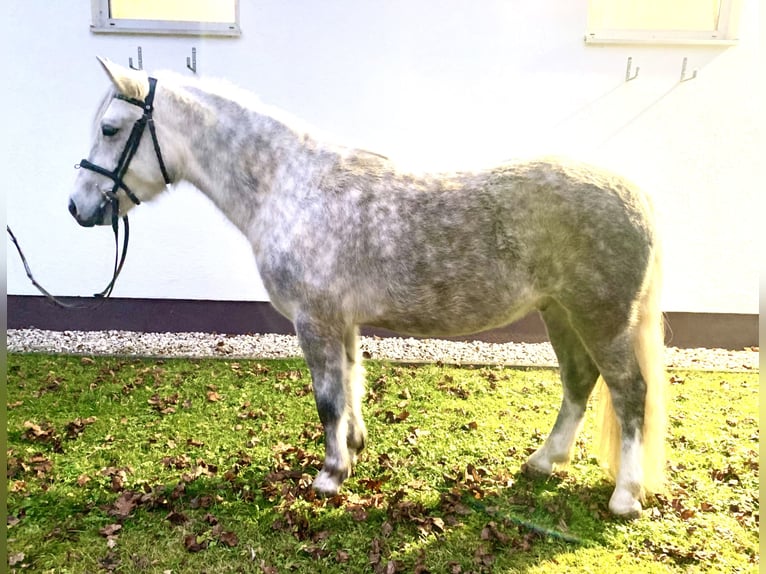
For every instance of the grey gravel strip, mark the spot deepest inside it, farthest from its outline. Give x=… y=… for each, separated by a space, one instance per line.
x=271 y=346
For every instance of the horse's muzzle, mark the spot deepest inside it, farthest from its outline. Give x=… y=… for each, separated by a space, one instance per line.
x=98 y=217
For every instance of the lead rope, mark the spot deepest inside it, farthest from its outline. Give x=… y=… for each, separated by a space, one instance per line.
x=117 y=265
x=119 y=260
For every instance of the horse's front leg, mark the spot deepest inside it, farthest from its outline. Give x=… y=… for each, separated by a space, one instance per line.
x=354 y=390
x=325 y=353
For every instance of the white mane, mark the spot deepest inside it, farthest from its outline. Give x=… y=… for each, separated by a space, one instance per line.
x=243 y=97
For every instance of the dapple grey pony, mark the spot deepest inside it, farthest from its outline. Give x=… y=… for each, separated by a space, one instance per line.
x=342 y=238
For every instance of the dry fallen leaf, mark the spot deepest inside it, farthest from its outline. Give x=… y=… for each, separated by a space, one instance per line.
x=374 y=554
x=76 y=427
x=163 y=405
x=124 y=505
x=43 y=432
x=176 y=518
x=391 y=417
x=194 y=543
x=229 y=539
x=17 y=486
x=420 y=565
x=491 y=533
x=110 y=529
x=16 y=558
x=483 y=556
x=110 y=562
x=357 y=512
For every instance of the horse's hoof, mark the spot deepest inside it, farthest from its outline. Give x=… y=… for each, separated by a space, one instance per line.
x=533 y=472
x=624 y=505
x=537 y=466
x=326 y=484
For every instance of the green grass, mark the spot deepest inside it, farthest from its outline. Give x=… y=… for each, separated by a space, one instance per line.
x=131 y=465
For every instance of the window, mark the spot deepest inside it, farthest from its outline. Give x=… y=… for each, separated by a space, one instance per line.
x=662 y=21
x=192 y=17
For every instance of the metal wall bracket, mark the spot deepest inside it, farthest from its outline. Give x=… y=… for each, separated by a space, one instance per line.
x=683 y=72
x=191 y=63
x=628 y=77
x=140 y=61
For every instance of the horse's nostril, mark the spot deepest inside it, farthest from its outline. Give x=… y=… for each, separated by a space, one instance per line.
x=72 y=208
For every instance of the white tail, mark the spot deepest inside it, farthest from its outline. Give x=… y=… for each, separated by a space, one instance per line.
x=649 y=345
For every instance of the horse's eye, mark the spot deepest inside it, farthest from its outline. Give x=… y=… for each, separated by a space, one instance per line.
x=108 y=130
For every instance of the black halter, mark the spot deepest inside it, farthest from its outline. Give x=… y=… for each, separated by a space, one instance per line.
x=131 y=146
x=116 y=175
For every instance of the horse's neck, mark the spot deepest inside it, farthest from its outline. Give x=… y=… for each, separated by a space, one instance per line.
x=235 y=155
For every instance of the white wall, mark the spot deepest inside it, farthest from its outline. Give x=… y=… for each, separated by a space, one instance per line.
x=440 y=84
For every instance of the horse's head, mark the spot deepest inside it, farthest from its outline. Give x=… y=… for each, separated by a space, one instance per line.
x=125 y=165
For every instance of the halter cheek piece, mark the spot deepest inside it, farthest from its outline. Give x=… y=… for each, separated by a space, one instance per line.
x=116 y=175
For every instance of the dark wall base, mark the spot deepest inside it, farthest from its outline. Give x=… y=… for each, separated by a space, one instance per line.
x=686 y=330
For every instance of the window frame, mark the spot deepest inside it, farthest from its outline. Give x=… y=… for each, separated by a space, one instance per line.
x=725 y=33
x=102 y=23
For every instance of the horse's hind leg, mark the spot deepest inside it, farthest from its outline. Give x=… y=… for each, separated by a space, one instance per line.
x=578 y=375
x=627 y=390
x=326 y=350
x=617 y=344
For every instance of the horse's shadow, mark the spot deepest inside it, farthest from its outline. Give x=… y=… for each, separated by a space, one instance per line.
x=514 y=527
x=469 y=528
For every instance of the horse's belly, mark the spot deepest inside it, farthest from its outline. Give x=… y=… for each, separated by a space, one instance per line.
x=462 y=316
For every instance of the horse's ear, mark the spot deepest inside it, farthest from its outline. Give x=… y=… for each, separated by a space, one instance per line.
x=130 y=83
